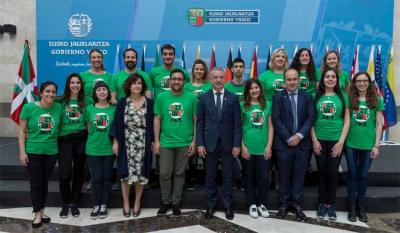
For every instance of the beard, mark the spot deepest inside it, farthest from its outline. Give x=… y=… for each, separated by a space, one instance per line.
x=130 y=64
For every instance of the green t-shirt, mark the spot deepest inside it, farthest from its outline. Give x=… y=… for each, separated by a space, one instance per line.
x=255 y=127
x=198 y=90
x=176 y=113
x=160 y=78
x=305 y=84
x=329 y=123
x=89 y=80
x=118 y=81
x=272 y=83
x=362 y=126
x=99 y=121
x=42 y=127
x=237 y=89
x=73 y=118
x=344 y=80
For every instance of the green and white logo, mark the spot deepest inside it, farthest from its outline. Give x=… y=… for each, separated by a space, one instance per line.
x=304 y=83
x=278 y=84
x=45 y=123
x=175 y=110
x=72 y=112
x=328 y=108
x=257 y=117
x=165 y=83
x=198 y=93
x=101 y=120
x=362 y=114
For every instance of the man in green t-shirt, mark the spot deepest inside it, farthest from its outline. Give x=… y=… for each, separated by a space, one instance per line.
x=236 y=85
x=160 y=75
x=174 y=140
x=118 y=80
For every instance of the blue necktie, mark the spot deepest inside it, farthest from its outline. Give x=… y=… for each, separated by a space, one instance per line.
x=294 y=111
x=219 y=104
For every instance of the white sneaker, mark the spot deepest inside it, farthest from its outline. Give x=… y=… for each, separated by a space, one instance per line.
x=263 y=211
x=253 y=211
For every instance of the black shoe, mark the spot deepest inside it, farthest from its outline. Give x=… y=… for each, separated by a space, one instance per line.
x=75 y=211
x=163 y=210
x=176 y=212
x=191 y=186
x=95 y=212
x=36 y=225
x=103 y=213
x=282 y=212
x=352 y=213
x=362 y=216
x=300 y=216
x=46 y=219
x=64 y=211
x=229 y=214
x=209 y=213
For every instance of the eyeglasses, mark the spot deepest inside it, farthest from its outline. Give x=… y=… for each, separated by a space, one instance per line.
x=362 y=81
x=176 y=79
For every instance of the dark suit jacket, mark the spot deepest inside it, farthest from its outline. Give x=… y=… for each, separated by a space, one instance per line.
x=282 y=119
x=209 y=129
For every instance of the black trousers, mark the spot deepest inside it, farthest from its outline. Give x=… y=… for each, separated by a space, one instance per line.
x=39 y=169
x=71 y=162
x=327 y=172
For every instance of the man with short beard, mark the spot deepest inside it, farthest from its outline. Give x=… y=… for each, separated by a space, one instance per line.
x=160 y=75
x=118 y=80
x=174 y=139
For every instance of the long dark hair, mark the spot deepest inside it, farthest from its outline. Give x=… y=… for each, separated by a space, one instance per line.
x=66 y=96
x=103 y=68
x=371 y=96
x=246 y=94
x=296 y=64
x=321 y=88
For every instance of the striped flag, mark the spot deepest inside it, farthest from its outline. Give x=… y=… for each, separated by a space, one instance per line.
x=371 y=66
x=143 y=61
x=117 y=62
x=228 y=70
x=157 y=56
x=390 y=72
x=354 y=66
x=254 y=64
x=26 y=89
x=377 y=73
x=388 y=98
x=213 y=62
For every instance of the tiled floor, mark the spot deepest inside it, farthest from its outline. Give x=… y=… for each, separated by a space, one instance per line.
x=19 y=220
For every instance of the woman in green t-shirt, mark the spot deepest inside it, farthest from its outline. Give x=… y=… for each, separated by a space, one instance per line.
x=198 y=86
x=303 y=62
x=258 y=134
x=332 y=60
x=72 y=140
x=95 y=74
x=99 y=117
x=272 y=80
x=363 y=140
x=328 y=136
x=37 y=138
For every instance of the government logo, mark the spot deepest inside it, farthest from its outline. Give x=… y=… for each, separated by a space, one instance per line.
x=196 y=16
x=80 y=25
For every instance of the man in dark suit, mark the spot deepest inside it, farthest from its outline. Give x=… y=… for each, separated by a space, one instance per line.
x=219 y=135
x=293 y=116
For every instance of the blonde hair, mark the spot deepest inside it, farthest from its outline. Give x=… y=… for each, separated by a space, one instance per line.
x=274 y=54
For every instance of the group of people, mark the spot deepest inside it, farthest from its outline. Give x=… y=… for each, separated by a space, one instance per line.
x=168 y=119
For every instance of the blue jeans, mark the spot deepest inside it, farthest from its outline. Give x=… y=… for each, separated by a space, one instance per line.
x=101 y=168
x=358 y=163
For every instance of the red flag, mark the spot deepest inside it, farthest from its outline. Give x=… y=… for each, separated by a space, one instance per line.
x=354 y=66
x=25 y=89
x=228 y=70
x=254 y=64
x=212 y=59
